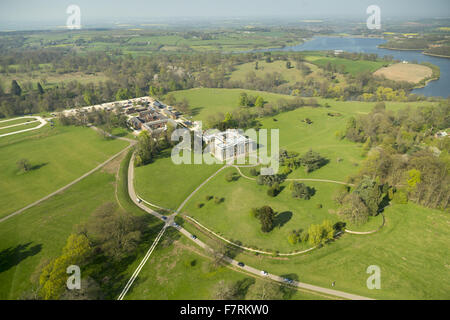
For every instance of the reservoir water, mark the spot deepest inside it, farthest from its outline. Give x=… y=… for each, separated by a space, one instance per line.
x=439 y=87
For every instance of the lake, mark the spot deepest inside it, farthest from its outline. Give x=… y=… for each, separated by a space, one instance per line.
x=369 y=45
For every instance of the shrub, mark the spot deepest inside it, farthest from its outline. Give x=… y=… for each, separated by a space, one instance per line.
x=199 y=205
x=208 y=197
x=274 y=190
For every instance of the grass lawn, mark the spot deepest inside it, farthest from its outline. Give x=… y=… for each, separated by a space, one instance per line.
x=57 y=155
x=242 y=195
x=178 y=269
x=166 y=184
x=205 y=101
x=41 y=231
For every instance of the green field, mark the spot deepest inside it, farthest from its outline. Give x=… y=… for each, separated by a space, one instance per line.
x=350 y=66
x=179 y=270
x=166 y=184
x=8 y=123
x=242 y=195
x=24 y=126
x=411 y=250
x=291 y=76
x=41 y=232
x=57 y=156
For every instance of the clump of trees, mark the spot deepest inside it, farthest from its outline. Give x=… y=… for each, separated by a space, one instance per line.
x=320 y=234
x=367 y=199
x=110 y=235
x=301 y=191
x=404 y=153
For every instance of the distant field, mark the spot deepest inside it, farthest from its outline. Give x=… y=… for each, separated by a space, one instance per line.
x=291 y=75
x=409 y=72
x=57 y=155
x=4 y=123
x=205 y=101
x=48 y=79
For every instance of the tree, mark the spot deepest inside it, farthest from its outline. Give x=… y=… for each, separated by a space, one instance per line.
x=259 y=102
x=243 y=100
x=224 y=291
x=288 y=65
x=171 y=100
x=266 y=216
x=274 y=190
x=15 y=88
x=312 y=161
x=184 y=107
x=123 y=94
x=115 y=232
x=301 y=191
x=354 y=209
x=370 y=192
x=146 y=149
x=319 y=234
x=23 y=165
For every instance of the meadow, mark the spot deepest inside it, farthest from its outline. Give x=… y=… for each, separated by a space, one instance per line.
x=352 y=67
x=411 y=251
x=40 y=232
x=56 y=155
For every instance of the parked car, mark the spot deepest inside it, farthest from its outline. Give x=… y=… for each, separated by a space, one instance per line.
x=194 y=236
x=139 y=200
x=288 y=281
x=164 y=218
x=264 y=273
x=241 y=264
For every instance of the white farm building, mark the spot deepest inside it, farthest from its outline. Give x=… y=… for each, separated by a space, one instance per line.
x=229 y=144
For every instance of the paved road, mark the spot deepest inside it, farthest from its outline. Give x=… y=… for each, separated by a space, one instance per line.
x=249 y=269
x=132 y=142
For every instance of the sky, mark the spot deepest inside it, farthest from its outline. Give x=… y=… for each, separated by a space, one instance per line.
x=54 y=11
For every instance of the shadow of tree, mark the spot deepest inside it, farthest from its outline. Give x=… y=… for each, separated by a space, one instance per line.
x=13 y=256
x=282 y=218
x=38 y=166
